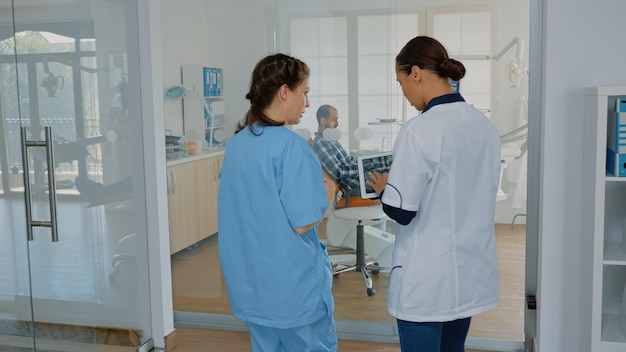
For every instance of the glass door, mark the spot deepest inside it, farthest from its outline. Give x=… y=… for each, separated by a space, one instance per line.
x=73 y=270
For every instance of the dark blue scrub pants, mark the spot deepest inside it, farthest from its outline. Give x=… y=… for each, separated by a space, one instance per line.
x=433 y=337
x=320 y=336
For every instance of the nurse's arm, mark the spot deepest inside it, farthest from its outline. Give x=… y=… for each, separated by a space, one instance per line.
x=304 y=229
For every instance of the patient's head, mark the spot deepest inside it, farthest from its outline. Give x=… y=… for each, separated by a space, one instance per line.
x=327 y=117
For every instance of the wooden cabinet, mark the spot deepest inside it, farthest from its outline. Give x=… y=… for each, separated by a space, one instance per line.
x=207 y=185
x=182 y=216
x=192 y=199
x=604 y=199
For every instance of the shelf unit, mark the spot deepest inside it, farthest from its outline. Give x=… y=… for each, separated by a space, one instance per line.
x=214 y=132
x=604 y=201
x=204 y=114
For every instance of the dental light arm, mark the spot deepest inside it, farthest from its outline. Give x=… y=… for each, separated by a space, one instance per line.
x=515 y=41
x=519 y=51
x=67 y=62
x=51 y=82
x=181 y=91
x=514 y=69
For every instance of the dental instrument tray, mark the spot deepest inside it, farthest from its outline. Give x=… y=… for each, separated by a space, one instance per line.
x=173 y=147
x=171 y=139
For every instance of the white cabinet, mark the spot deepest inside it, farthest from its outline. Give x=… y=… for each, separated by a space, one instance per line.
x=604 y=201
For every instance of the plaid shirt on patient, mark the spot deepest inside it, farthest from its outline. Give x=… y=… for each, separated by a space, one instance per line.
x=337 y=163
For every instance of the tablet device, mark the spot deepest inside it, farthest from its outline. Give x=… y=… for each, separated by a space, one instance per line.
x=380 y=162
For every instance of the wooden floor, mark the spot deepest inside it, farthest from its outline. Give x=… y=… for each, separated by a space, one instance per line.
x=196 y=340
x=198 y=287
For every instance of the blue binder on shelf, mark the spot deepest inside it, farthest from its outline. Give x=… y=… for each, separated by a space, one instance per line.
x=616 y=139
x=212 y=77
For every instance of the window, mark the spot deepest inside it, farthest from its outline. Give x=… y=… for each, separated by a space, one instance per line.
x=352 y=58
x=466 y=33
x=55 y=82
x=323 y=44
x=380 y=38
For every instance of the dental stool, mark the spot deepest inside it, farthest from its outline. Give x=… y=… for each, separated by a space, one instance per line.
x=363 y=215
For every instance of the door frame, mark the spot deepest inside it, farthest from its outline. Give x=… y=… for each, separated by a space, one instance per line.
x=533 y=185
x=150 y=53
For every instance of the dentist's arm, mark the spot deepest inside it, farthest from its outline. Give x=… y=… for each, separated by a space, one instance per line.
x=378 y=183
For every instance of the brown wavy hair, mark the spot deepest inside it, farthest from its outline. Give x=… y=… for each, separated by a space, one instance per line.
x=268 y=76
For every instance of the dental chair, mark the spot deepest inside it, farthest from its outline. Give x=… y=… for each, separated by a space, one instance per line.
x=508 y=153
x=511 y=150
x=514 y=145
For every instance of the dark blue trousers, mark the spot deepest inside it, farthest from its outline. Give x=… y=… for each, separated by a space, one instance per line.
x=433 y=337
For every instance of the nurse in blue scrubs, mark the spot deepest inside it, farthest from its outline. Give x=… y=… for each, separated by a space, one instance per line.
x=271 y=199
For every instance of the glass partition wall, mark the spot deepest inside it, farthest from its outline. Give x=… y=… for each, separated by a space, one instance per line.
x=73 y=241
x=351 y=54
x=350 y=47
x=351 y=51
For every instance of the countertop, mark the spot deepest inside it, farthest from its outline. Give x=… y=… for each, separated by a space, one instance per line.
x=201 y=155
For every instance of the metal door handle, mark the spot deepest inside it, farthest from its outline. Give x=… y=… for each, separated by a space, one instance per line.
x=173 y=181
x=167 y=182
x=52 y=192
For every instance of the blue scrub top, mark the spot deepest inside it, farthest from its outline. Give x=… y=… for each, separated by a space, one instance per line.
x=270 y=184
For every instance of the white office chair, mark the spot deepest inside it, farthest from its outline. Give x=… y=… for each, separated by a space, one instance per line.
x=352 y=227
x=356 y=238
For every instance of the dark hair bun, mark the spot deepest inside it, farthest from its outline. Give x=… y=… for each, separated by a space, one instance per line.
x=451 y=68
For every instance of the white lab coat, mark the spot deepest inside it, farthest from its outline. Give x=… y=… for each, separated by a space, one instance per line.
x=446 y=166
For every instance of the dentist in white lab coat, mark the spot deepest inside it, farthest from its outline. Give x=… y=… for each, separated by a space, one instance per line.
x=441 y=190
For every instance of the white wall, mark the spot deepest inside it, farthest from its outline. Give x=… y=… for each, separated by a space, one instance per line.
x=184 y=32
x=227 y=34
x=581 y=49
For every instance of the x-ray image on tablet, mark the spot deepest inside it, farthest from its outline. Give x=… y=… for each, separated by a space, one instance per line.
x=380 y=162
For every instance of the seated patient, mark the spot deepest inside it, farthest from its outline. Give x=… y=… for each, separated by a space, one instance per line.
x=335 y=160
